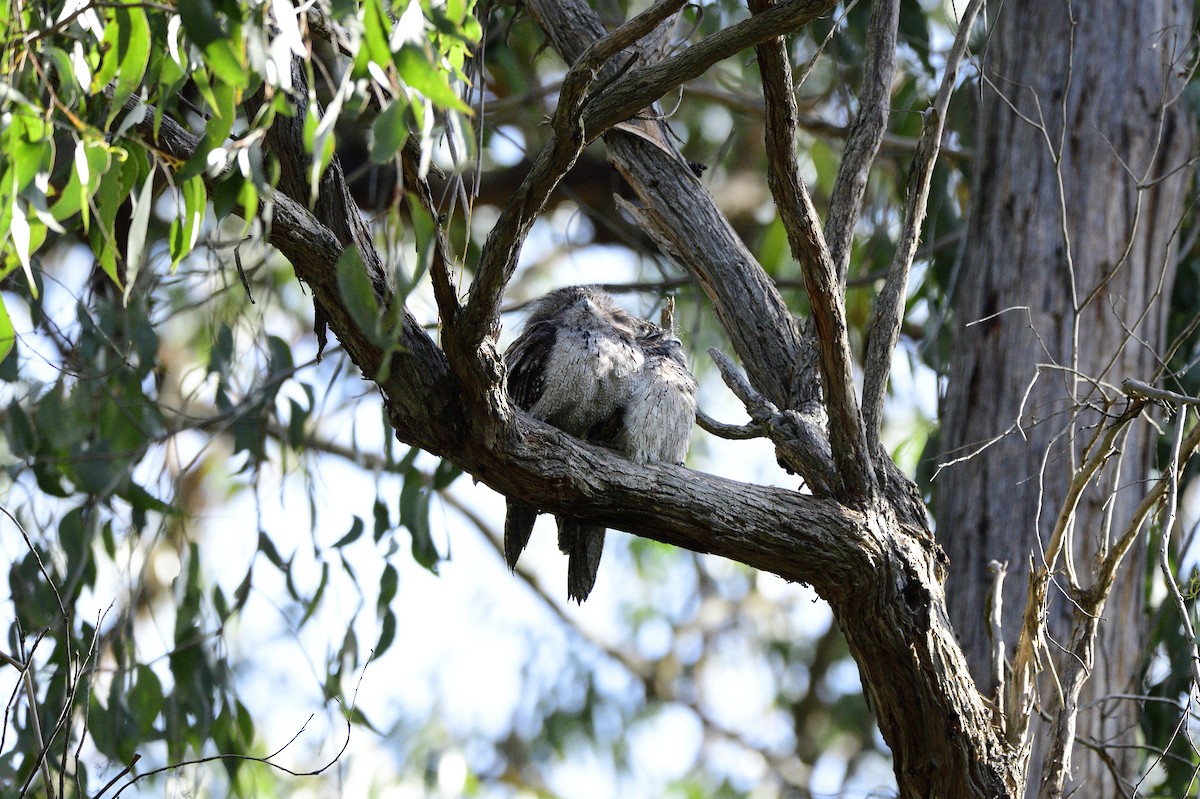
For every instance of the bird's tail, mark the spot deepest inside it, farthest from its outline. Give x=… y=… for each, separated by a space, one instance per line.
x=583 y=542
x=518 y=526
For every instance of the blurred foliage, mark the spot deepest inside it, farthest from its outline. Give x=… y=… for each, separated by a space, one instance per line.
x=211 y=537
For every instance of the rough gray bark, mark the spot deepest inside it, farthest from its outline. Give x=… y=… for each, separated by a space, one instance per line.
x=1062 y=294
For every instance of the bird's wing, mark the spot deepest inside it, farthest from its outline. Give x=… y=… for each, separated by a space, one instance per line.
x=526 y=360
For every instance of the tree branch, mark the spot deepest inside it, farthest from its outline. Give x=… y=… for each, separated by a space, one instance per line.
x=794 y=205
x=865 y=135
x=796 y=439
x=868 y=565
x=679 y=212
x=642 y=87
x=894 y=614
x=889 y=306
x=499 y=259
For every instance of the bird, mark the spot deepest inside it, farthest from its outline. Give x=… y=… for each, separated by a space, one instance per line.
x=585 y=365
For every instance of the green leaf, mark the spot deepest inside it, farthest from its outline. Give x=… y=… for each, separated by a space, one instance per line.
x=359 y=296
x=227 y=58
x=382 y=521
x=220 y=357
x=32 y=598
x=185 y=229
x=414 y=515
x=115 y=188
x=105 y=727
x=74 y=539
x=356 y=531
x=201 y=22
x=133 y=46
x=417 y=72
x=91 y=161
x=30 y=148
x=311 y=605
x=18 y=430
x=389 y=583
x=139 y=223
x=280 y=364
x=425 y=231
x=142 y=500
x=145 y=700
x=445 y=474
x=387 y=633
x=220 y=604
x=296 y=422
x=377 y=28
x=267 y=547
x=242 y=592
x=356 y=716
x=110 y=46
x=389 y=131
x=8 y=334
x=24 y=239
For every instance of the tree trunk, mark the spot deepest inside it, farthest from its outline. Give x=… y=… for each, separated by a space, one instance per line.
x=1065 y=282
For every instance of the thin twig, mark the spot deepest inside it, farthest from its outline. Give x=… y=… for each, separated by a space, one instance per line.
x=128 y=768
x=998 y=570
x=797 y=439
x=35 y=723
x=732 y=432
x=1164 y=550
x=266 y=760
x=1136 y=388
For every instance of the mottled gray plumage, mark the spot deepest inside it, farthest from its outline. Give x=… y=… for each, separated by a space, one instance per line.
x=585 y=365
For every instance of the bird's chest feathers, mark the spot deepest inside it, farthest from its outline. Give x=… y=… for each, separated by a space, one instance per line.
x=586 y=377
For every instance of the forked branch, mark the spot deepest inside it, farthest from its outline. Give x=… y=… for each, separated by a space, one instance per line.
x=889 y=306
x=799 y=216
x=865 y=135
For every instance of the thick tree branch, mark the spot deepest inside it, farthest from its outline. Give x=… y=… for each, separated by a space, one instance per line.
x=799 y=216
x=644 y=86
x=889 y=306
x=796 y=439
x=696 y=235
x=445 y=293
x=470 y=337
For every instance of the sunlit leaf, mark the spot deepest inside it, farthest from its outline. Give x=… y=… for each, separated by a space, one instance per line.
x=134 y=53
x=8 y=334
x=139 y=222
x=185 y=229
x=415 y=70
